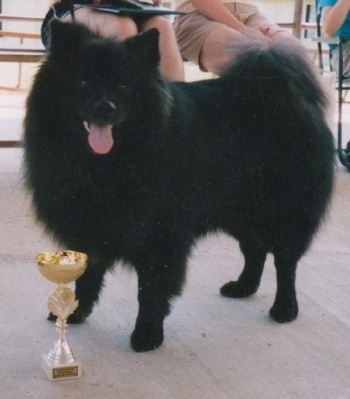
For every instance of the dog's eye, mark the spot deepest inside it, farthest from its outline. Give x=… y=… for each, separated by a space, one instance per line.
x=121 y=87
x=84 y=83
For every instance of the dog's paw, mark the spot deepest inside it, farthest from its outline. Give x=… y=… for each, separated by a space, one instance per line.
x=78 y=317
x=234 y=289
x=51 y=317
x=283 y=313
x=146 y=339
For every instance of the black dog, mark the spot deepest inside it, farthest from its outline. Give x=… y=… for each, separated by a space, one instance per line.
x=124 y=165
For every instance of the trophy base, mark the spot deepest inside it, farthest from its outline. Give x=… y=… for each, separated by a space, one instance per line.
x=61 y=371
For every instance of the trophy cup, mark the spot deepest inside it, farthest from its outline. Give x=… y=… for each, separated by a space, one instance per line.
x=61 y=267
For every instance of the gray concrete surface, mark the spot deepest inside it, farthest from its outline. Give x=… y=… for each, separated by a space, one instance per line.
x=214 y=348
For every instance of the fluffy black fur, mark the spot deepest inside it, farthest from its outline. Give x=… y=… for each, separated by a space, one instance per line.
x=248 y=154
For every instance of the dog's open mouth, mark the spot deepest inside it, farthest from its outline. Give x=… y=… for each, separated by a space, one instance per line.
x=100 y=137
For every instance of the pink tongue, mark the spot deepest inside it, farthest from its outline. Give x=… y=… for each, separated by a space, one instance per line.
x=100 y=138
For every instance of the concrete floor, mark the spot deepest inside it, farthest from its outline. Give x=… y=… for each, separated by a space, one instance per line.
x=214 y=347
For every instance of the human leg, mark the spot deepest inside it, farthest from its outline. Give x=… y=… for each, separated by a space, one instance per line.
x=221 y=44
x=191 y=31
x=210 y=44
x=171 y=65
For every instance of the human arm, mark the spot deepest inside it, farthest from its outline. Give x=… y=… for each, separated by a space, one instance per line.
x=332 y=18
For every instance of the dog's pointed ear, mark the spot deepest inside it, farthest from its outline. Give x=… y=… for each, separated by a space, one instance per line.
x=145 y=48
x=65 y=38
x=61 y=35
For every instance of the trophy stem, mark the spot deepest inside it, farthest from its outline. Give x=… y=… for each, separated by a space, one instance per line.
x=60 y=363
x=61 y=353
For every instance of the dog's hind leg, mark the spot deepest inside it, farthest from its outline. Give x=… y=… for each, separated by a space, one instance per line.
x=285 y=307
x=249 y=280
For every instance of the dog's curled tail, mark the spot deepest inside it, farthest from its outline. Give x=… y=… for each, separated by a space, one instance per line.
x=276 y=85
x=278 y=108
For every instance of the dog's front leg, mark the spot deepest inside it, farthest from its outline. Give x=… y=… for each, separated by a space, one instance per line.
x=88 y=288
x=157 y=285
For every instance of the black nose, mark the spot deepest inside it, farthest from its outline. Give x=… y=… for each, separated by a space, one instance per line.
x=104 y=110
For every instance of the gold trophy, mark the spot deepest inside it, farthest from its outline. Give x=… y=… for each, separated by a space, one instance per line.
x=61 y=267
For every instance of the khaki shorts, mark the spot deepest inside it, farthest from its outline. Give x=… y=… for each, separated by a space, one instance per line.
x=192 y=29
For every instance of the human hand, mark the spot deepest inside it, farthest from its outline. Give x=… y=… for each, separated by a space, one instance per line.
x=264 y=30
x=259 y=32
x=268 y=32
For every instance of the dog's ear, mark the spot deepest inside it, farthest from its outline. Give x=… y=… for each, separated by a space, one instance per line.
x=65 y=38
x=145 y=48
